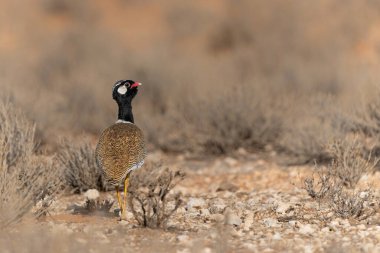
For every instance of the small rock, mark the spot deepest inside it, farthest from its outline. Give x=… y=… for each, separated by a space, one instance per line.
x=242 y=151
x=196 y=203
x=308 y=248
x=283 y=207
x=276 y=236
x=250 y=246
x=227 y=186
x=92 y=194
x=307 y=229
x=183 y=239
x=271 y=223
x=231 y=161
x=206 y=250
x=363 y=234
x=235 y=233
x=293 y=223
x=232 y=219
x=217 y=217
x=364 y=194
x=205 y=212
x=325 y=230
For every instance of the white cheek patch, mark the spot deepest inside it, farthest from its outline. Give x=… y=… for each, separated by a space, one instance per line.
x=122 y=90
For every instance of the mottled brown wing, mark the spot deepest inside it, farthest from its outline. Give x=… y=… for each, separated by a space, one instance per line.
x=120 y=149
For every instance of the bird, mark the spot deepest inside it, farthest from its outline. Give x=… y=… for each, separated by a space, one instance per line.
x=121 y=147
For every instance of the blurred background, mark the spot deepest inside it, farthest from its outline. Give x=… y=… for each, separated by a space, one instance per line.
x=277 y=76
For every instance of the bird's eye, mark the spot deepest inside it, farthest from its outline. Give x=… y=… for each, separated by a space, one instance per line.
x=128 y=85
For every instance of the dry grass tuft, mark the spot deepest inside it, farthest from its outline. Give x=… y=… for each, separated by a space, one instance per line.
x=150 y=196
x=25 y=178
x=350 y=161
x=80 y=168
x=335 y=185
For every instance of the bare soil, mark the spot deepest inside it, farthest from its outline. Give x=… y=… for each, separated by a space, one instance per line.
x=231 y=204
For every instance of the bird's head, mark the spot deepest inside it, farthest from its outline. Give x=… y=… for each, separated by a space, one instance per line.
x=124 y=90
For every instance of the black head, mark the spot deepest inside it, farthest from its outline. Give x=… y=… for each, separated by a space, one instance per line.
x=124 y=90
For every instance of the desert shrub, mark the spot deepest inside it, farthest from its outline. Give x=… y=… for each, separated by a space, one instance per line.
x=218 y=53
x=222 y=124
x=25 y=178
x=350 y=161
x=150 y=197
x=352 y=204
x=329 y=191
x=309 y=129
x=336 y=182
x=81 y=170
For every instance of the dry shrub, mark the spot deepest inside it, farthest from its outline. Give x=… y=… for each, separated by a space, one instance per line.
x=233 y=118
x=93 y=205
x=80 y=168
x=310 y=128
x=25 y=178
x=226 y=89
x=150 y=197
x=336 y=182
x=366 y=121
x=350 y=161
x=352 y=204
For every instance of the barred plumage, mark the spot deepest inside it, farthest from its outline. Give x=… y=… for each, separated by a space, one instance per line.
x=120 y=150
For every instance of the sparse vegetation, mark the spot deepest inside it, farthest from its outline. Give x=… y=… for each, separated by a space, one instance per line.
x=150 y=197
x=25 y=178
x=80 y=168
x=336 y=182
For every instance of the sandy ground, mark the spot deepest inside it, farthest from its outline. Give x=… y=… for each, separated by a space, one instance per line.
x=240 y=204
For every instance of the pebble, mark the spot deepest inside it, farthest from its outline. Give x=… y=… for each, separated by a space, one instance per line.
x=308 y=248
x=231 y=161
x=183 y=239
x=92 y=194
x=206 y=250
x=307 y=229
x=205 y=213
x=232 y=219
x=196 y=203
x=271 y=223
x=282 y=207
x=325 y=230
x=217 y=217
x=277 y=236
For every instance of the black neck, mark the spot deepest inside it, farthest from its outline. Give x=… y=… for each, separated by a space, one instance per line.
x=125 y=112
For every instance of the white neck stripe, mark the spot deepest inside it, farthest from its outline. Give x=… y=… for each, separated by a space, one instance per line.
x=123 y=121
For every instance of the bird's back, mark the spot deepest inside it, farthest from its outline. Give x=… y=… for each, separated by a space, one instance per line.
x=120 y=150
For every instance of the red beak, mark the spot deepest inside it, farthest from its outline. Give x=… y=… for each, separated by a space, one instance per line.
x=135 y=84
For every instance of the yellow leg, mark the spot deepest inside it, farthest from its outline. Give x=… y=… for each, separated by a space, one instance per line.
x=126 y=182
x=118 y=198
